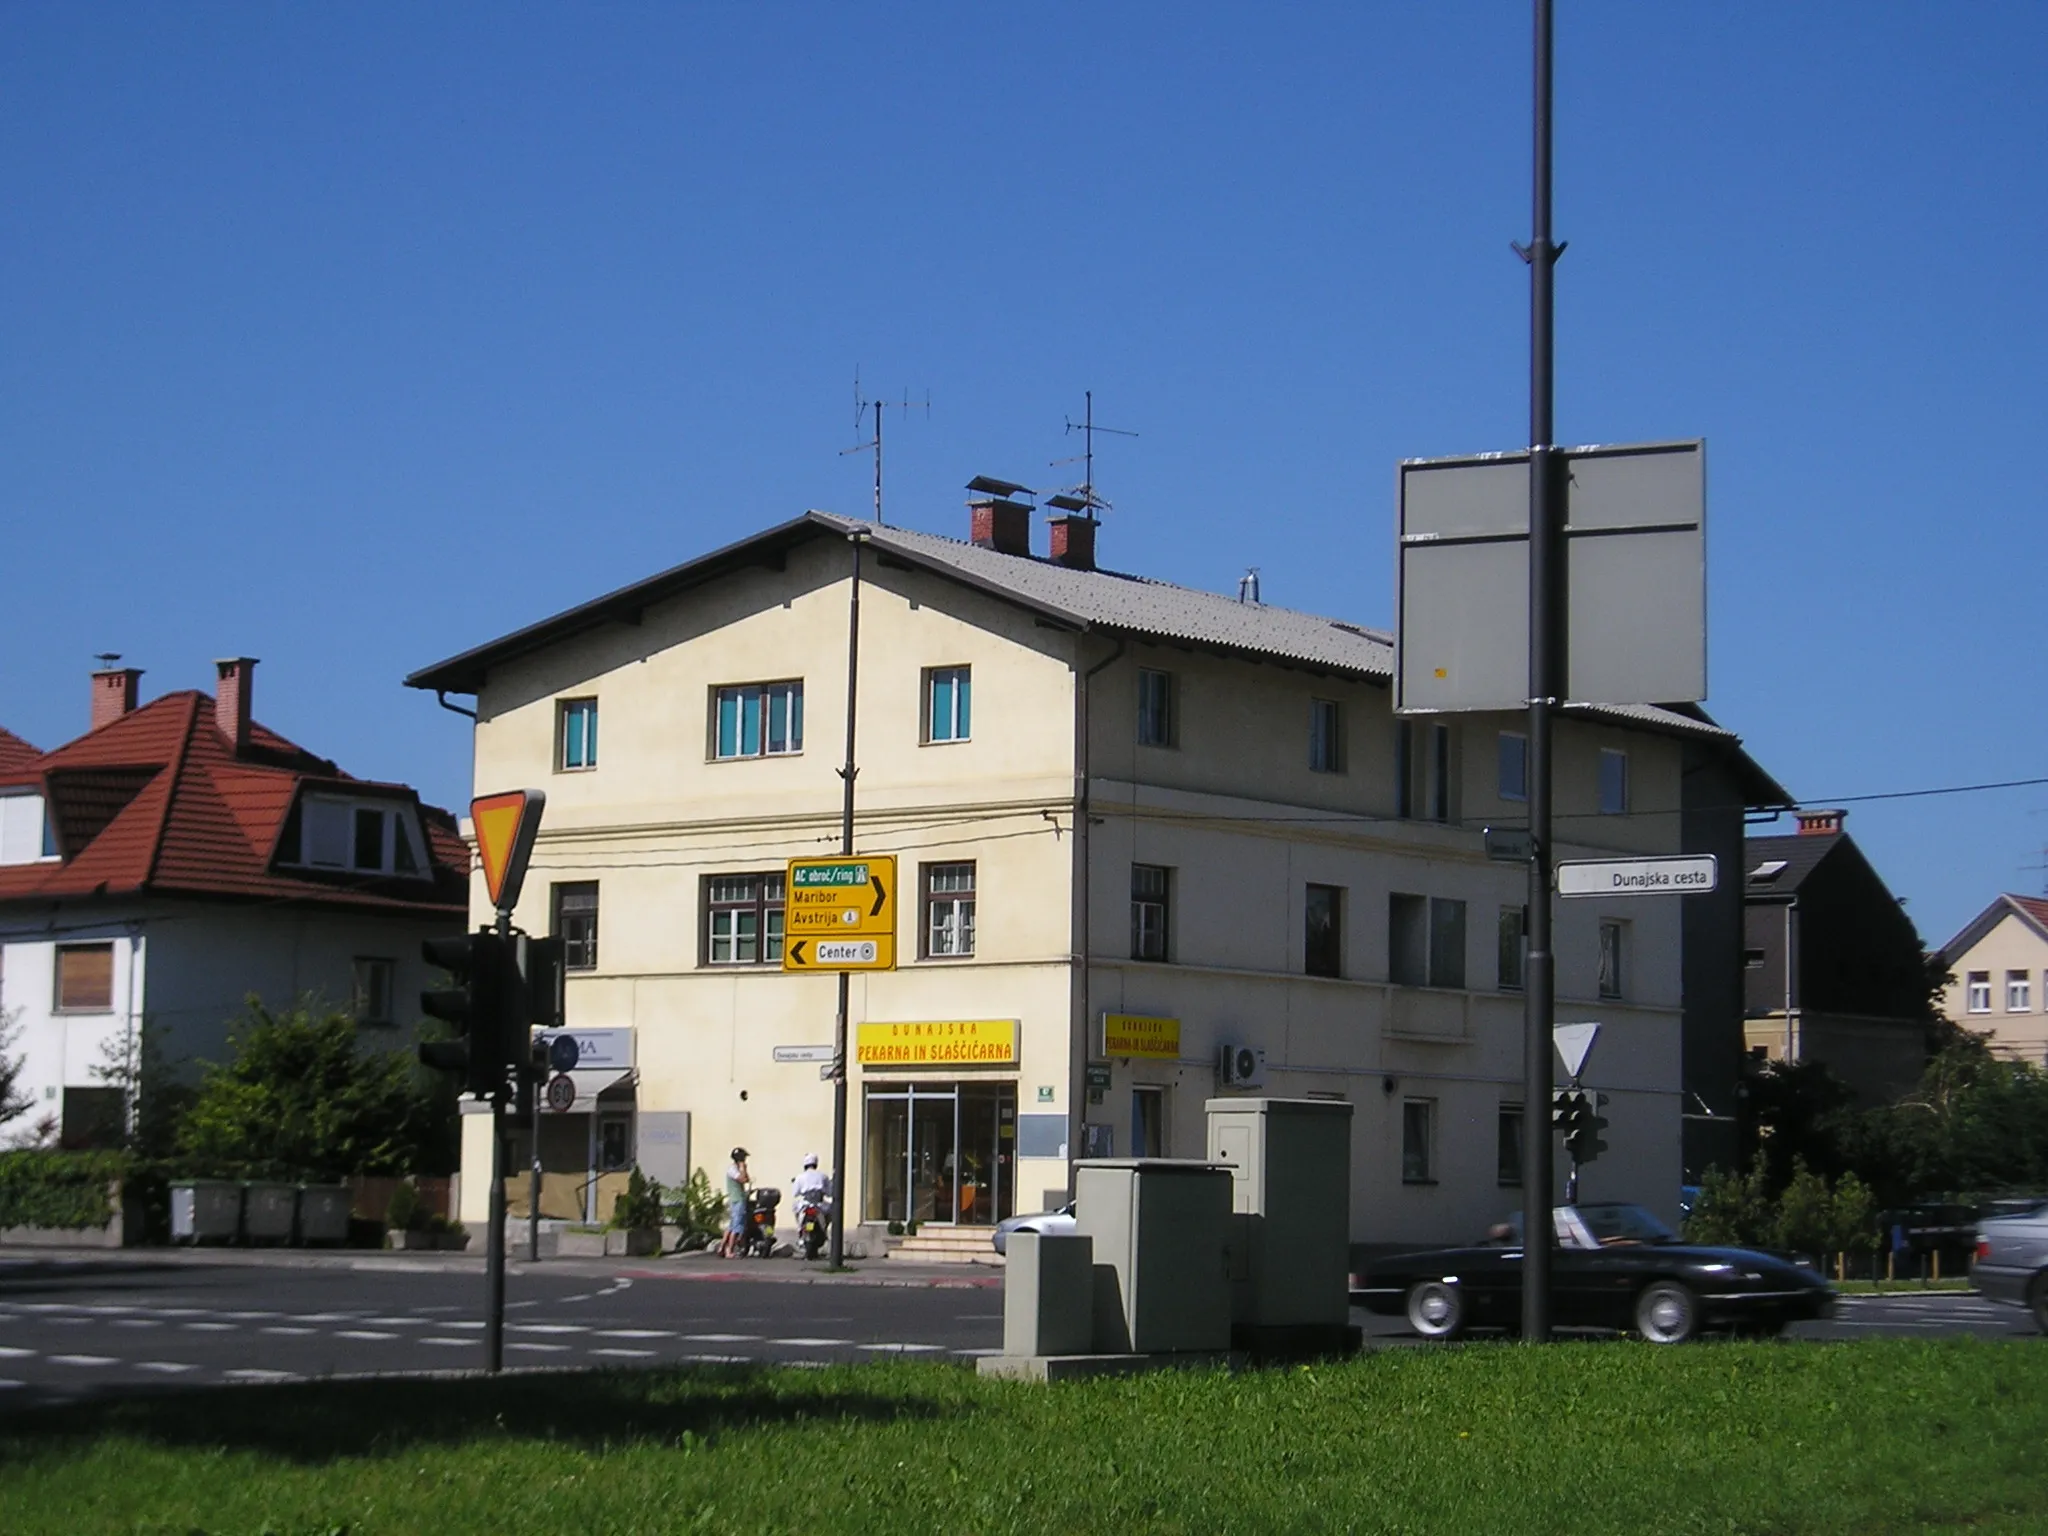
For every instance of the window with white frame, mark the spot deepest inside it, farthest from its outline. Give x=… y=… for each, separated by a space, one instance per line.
x=575 y=923
x=577 y=733
x=373 y=987
x=1155 y=708
x=1325 y=736
x=948 y=704
x=1514 y=766
x=1151 y=907
x=2018 y=992
x=1979 y=991
x=948 y=911
x=358 y=836
x=1613 y=782
x=757 y=720
x=743 y=917
x=1613 y=946
x=1418 y=1141
x=85 y=978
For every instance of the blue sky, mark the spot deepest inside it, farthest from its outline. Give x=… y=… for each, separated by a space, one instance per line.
x=350 y=336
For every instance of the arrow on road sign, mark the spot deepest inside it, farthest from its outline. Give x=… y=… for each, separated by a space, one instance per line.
x=881 y=895
x=1574 y=1044
x=796 y=952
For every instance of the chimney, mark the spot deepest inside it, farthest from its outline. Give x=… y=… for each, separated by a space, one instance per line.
x=1000 y=524
x=113 y=691
x=231 y=697
x=1073 y=541
x=1821 y=823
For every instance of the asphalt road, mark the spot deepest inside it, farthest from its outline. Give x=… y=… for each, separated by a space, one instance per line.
x=75 y=1327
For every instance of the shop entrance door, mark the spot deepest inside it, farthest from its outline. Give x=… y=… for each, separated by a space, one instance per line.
x=943 y=1152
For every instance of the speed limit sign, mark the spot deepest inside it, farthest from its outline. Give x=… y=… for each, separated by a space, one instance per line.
x=561 y=1092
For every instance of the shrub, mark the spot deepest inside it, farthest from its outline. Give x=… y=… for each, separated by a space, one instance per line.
x=639 y=1205
x=698 y=1209
x=69 y=1190
x=403 y=1214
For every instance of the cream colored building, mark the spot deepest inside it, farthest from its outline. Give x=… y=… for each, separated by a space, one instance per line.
x=1153 y=804
x=1998 y=982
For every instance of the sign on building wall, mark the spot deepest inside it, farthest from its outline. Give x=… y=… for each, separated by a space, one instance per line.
x=938 y=1043
x=597 y=1050
x=1133 y=1034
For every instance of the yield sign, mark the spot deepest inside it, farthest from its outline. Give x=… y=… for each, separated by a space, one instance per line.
x=1574 y=1044
x=505 y=827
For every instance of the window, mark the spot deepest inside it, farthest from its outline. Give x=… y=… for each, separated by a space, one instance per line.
x=1752 y=959
x=85 y=978
x=1980 y=991
x=2016 y=990
x=578 y=734
x=1508 y=1151
x=1613 y=782
x=759 y=720
x=362 y=838
x=1404 y=769
x=1418 y=1137
x=948 y=697
x=1425 y=941
x=948 y=910
x=1325 y=736
x=743 y=919
x=575 y=924
x=1514 y=766
x=1151 y=887
x=372 y=989
x=1513 y=953
x=1155 y=708
x=1323 y=931
x=1423 y=771
x=27 y=833
x=1612 y=933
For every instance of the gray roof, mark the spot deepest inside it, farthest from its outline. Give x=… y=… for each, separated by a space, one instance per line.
x=1090 y=600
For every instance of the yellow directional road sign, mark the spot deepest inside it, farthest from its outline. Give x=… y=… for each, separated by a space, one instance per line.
x=840 y=914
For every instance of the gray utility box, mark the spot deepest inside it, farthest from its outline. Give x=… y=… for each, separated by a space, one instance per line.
x=323 y=1213
x=1290 y=1162
x=268 y=1211
x=206 y=1211
x=1048 y=1294
x=1160 y=1228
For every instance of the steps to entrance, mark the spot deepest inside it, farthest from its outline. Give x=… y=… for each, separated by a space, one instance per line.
x=947 y=1245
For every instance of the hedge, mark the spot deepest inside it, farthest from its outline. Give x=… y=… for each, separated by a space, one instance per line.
x=70 y=1190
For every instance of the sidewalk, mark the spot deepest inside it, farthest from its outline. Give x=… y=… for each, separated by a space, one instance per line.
x=15 y=1262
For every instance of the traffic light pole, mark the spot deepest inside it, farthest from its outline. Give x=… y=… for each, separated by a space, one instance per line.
x=1546 y=691
x=835 y=1242
x=494 y=1242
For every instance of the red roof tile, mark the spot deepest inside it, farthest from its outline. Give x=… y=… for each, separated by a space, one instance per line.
x=15 y=754
x=158 y=801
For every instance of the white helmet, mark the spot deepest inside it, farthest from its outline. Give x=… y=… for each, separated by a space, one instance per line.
x=810 y=1159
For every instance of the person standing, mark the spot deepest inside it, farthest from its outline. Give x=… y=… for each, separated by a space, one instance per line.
x=736 y=1181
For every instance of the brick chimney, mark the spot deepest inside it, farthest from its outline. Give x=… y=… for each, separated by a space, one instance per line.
x=232 y=693
x=1073 y=541
x=113 y=692
x=1821 y=823
x=997 y=523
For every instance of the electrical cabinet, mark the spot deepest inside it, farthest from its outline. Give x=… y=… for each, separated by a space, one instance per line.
x=1290 y=1166
x=1161 y=1229
x=1048 y=1294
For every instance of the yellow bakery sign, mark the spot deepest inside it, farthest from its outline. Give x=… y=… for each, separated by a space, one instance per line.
x=938 y=1043
x=1133 y=1034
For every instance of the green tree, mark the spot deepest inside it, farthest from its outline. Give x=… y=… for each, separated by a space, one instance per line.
x=301 y=1099
x=13 y=1102
x=1733 y=1209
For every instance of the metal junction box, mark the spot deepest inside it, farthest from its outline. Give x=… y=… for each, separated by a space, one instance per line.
x=1048 y=1295
x=1161 y=1227
x=1290 y=1164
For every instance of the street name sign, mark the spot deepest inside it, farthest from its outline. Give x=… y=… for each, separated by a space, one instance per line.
x=803 y=1053
x=505 y=826
x=840 y=914
x=1687 y=875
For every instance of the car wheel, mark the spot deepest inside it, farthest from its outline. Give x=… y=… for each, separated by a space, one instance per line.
x=1666 y=1313
x=1436 y=1309
x=2037 y=1301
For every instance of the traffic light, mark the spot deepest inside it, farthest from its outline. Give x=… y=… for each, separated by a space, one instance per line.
x=1567 y=1108
x=1584 y=1140
x=479 y=1006
x=540 y=966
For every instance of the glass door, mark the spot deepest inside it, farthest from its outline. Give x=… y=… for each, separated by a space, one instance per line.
x=987 y=1140
x=885 y=1179
x=934 y=1149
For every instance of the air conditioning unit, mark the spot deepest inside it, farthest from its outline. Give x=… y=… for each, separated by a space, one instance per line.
x=1241 y=1066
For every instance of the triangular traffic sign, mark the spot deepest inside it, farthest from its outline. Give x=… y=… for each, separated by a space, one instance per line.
x=1574 y=1044
x=505 y=827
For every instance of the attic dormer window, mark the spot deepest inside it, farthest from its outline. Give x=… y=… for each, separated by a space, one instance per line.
x=357 y=836
x=1767 y=872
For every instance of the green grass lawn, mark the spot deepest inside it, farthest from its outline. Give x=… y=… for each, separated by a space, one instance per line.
x=1882 y=1435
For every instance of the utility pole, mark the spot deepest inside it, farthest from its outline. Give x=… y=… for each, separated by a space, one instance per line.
x=494 y=1240
x=1546 y=689
x=835 y=1246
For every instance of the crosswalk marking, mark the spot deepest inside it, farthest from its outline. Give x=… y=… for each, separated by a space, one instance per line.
x=723 y=1338
x=635 y=1333
x=165 y=1367
x=83 y=1360
x=626 y=1354
x=286 y=1330
x=15 y=1354
x=252 y=1374
x=210 y=1327
x=363 y=1333
x=810 y=1343
x=553 y=1349
x=465 y=1343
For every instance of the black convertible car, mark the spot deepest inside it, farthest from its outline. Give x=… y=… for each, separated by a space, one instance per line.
x=1614 y=1266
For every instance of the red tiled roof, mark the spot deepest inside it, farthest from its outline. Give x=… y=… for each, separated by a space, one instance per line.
x=158 y=801
x=2034 y=907
x=15 y=754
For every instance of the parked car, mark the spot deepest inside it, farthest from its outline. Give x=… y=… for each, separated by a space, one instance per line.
x=1052 y=1223
x=1613 y=1266
x=2011 y=1262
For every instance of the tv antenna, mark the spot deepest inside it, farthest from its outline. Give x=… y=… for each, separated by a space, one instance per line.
x=861 y=407
x=1082 y=497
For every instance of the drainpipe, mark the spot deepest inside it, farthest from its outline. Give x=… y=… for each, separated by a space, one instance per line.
x=1077 y=1047
x=1791 y=991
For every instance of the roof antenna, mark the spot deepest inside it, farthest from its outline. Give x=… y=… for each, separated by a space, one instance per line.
x=1082 y=497
x=861 y=406
x=106 y=659
x=1248 y=586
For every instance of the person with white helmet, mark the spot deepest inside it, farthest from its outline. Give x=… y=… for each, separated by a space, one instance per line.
x=811 y=1182
x=813 y=1207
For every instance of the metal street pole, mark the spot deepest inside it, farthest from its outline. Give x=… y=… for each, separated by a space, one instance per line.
x=835 y=1247
x=494 y=1241
x=1546 y=690
x=533 y=1186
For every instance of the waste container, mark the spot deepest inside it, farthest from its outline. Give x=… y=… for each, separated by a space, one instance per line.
x=268 y=1211
x=205 y=1211
x=323 y=1213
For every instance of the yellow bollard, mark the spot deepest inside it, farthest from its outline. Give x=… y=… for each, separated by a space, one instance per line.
x=1937 y=1264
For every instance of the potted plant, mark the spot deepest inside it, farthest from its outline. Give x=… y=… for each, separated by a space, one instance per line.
x=635 y=1227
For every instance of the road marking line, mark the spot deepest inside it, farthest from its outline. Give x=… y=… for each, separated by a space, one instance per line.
x=363 y=1333
x=167 y=1367
x=15 y=1354
x=465 y=1343
x=548 y=1328
x=83 y=1360
x=8 y=1381
x=211 y=1327
x=904 y=1349
x=256 y=1375
x=977 y=1351
x=400 y=1322
x=290 y=1333
x=246 y=1316
x=723 y=1338
x=810 y=1343
x=323 y=1317
x=137 y=1322
x=553 y=1349
x=716 y=1359
x=807 y=1365
x=107 y=1307
x=635 y=1333
x=626 y=1354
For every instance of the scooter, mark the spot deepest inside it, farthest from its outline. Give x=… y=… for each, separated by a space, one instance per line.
x=813 y=1223
x=757 y=1240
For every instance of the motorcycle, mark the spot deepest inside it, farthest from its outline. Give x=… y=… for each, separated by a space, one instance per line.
x=813 y=1223
x=757 y=1239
